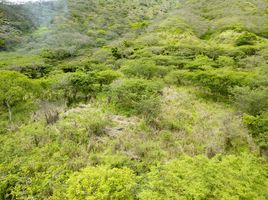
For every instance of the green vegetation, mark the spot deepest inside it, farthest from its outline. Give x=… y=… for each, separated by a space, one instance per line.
x=101 y=183
x=13 y=25
x=201 y=178
x=17 y=92
x=136 y=96
x=143 y=69
x=144 y=100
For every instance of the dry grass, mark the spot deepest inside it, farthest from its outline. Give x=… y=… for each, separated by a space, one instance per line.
x=200 y=127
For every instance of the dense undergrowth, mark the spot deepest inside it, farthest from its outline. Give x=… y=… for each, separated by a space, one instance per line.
x=134 y=100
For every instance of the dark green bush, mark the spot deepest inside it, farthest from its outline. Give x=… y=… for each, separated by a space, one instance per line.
x=169 y=61
x=251 y=101
x=219 y=82
x=85 y=84
x=185 y=50
x=246 y=38
x=2 y=45
x=72 y=87
x=249 y=49
x=143 y=69
x=258 y=126
x=106 y=77
x=58 y=53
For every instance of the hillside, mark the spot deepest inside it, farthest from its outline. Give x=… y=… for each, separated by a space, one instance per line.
x=13 y=25
x=119 y=99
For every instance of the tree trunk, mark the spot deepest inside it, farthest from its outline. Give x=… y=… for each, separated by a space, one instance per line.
x=9 y=111
x=87 y=98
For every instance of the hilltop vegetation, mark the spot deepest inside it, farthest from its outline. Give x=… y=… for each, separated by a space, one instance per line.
x=134 y=100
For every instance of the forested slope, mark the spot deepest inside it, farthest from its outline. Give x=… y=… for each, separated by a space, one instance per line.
x=13 y=23
x=154 y=99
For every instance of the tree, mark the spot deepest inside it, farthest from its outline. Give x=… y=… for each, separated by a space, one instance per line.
x=106 y=77
x=143 y=69
x=15 y=89
x=85 y=84
x=73 y=87
x=100 y=183
x=219 y=82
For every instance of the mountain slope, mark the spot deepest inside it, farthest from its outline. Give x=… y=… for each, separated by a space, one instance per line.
x=137 y=100
x=13 y=25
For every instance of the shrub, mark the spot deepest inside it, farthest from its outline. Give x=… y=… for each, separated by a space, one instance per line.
x=246 y=38
x=259 y=129
x=139 y=25
x=136 y=96
x=85 y=84
x=225 y=61
x=85 y=123
x=201 y=178
x=178 y=77
x=97 y=124
x=59 y=53
x=106 y=77
x=219 y=82
x=100 y=183
x=16 y=90
x=2 y=44
x=251 y=62
x=72 y=87
x=143 y=69
x=249 y=50
x=169 y=61
x=200 y=62
x=251 y=101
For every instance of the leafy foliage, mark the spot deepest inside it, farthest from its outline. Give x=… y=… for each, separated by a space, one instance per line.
x=246 y=39
x=119 y=99
x=16 y=91
x=102 y=183
x=201 y=178
x=219 y=82
x=143 y=69
x=251 y=101
x=136 y=96
x=258 y=126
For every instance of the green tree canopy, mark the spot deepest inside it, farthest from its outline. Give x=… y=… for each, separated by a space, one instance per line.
x=143 y=69
x=16 y=89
